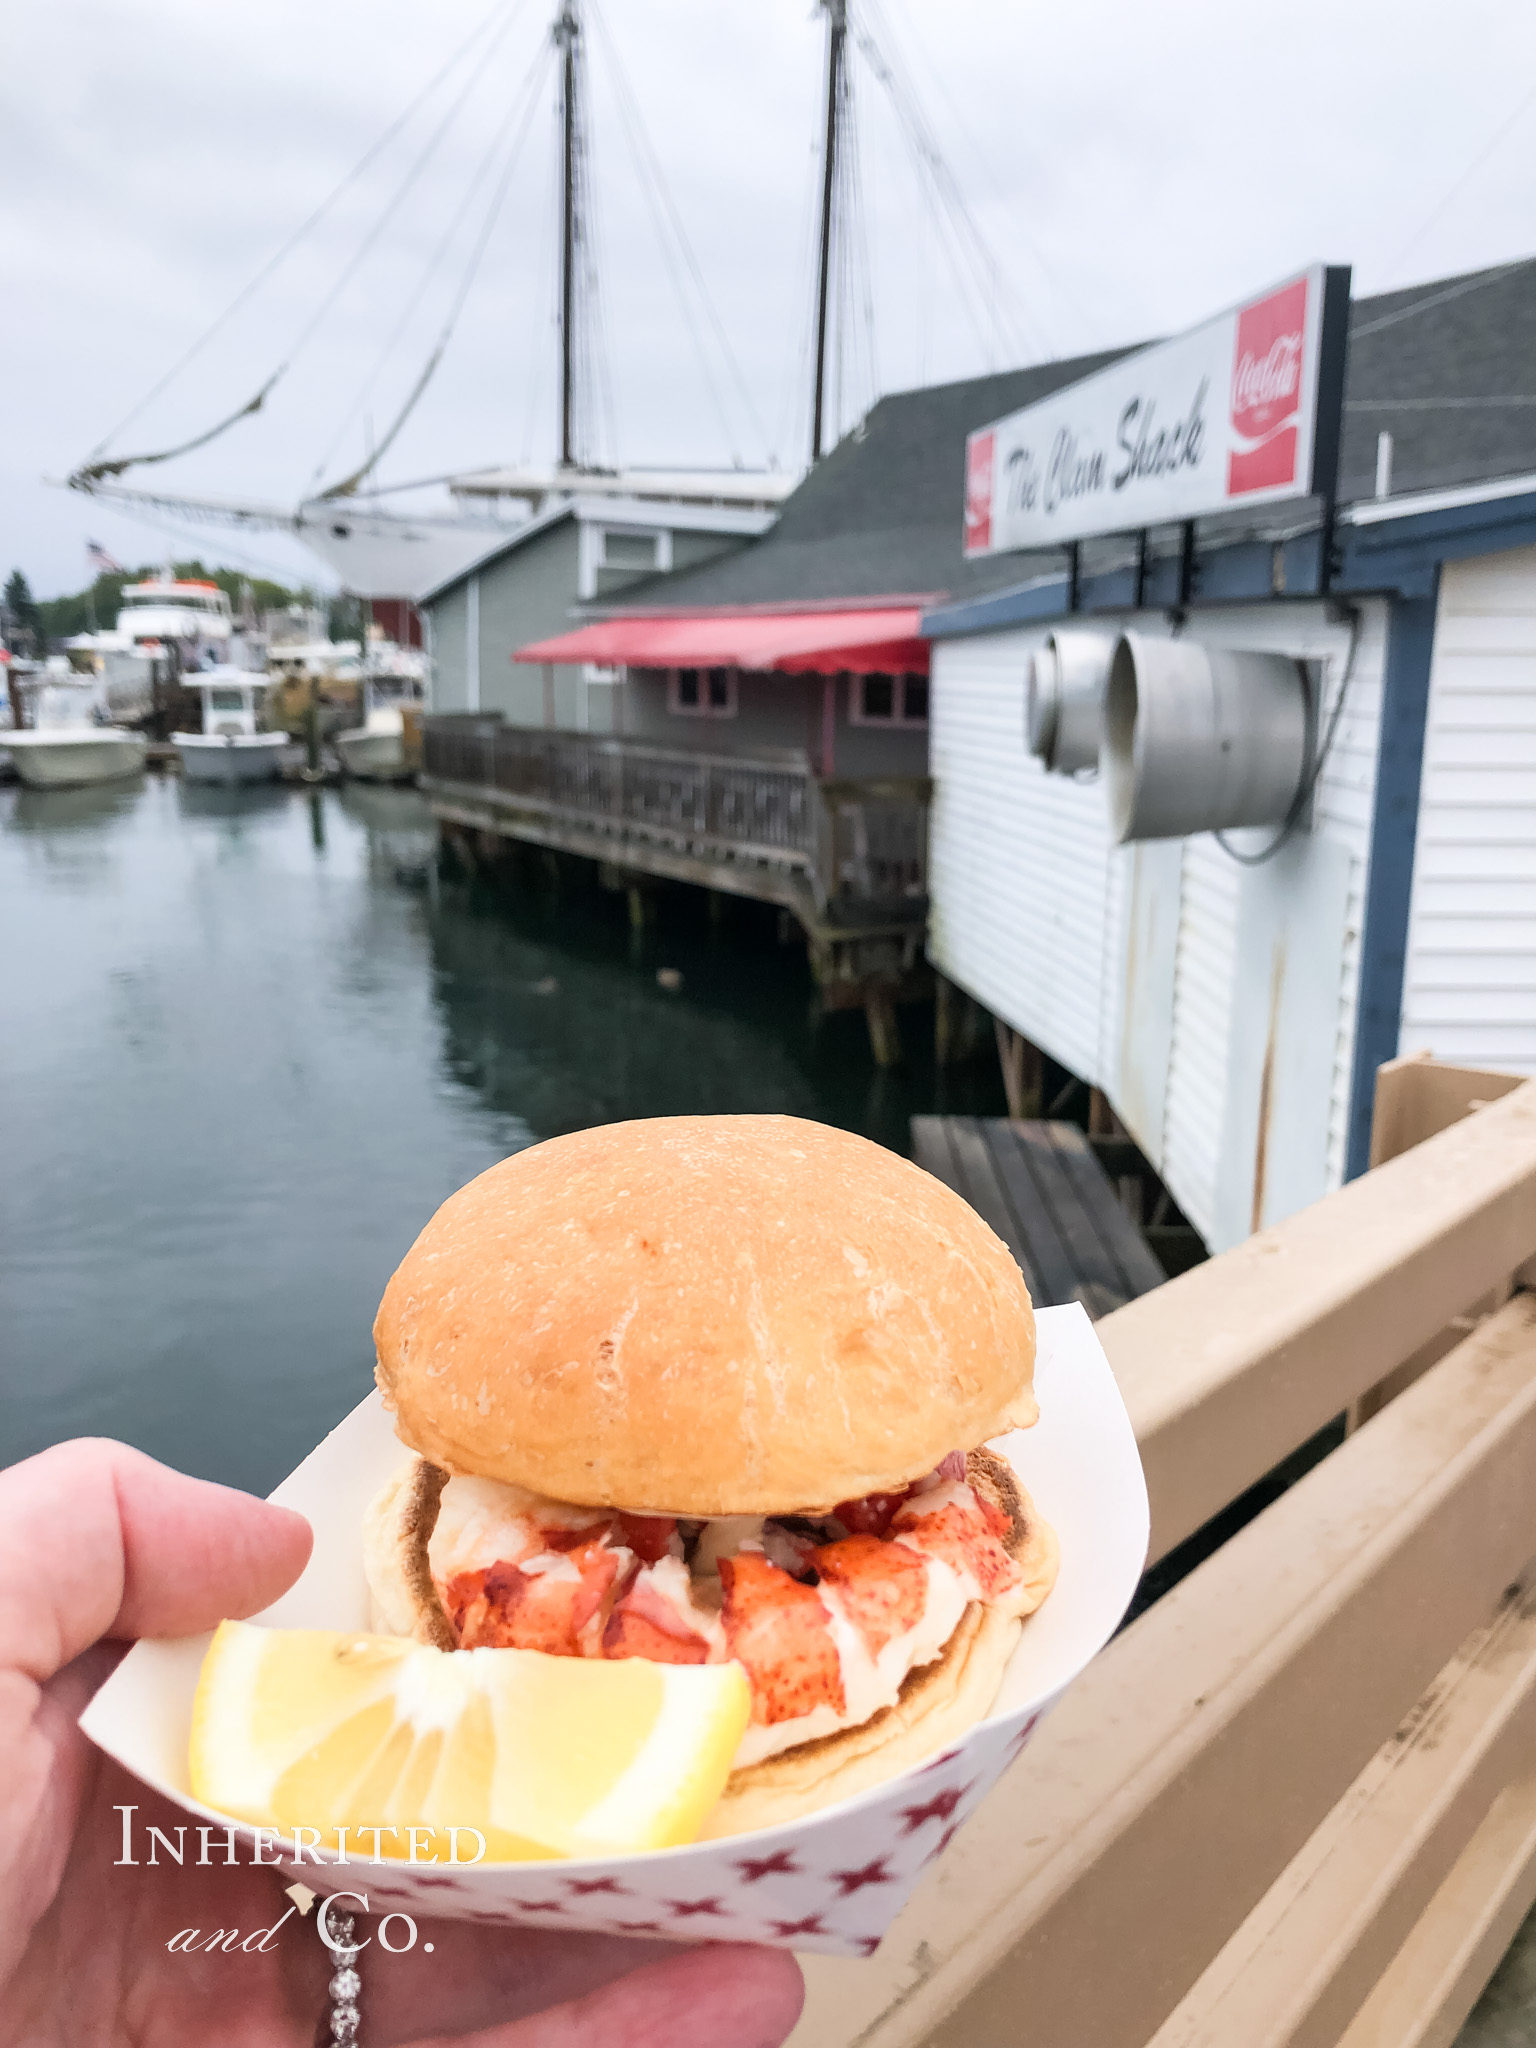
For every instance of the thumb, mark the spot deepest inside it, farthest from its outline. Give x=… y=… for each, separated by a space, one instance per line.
x=98 y=1540
x=726 y=1995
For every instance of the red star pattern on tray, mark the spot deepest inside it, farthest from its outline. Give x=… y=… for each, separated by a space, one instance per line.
x=780 y=1864
x=940 y=1807
x=787 y=1930
x=831 y=1887
x=1023 y=1736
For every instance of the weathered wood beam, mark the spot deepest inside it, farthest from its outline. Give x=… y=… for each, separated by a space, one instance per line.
x=1303 y=1962
x=1417 y=1096
x=1228 y=1368
x=767 y=883
x=884 y=1031
x=1198 y=1753
x=1438 y=1975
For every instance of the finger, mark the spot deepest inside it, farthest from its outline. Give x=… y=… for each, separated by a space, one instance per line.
x=723 y=1996
x=463 y=1974
x=98 y=1540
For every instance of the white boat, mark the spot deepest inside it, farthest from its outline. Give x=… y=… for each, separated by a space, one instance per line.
x=230 y=747
x=126 y=670
x=64 y=747
x=167 y=611
x=70 y=757
x=375 y=750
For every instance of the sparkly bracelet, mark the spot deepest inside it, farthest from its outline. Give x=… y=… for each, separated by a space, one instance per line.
x=345 y=1985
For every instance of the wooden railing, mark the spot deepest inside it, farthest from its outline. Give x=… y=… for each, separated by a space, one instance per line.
x=1293 y=1804
x=872 y=841
x=862 y=846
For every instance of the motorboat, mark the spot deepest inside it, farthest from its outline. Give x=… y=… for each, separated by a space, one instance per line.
x=169 y=611
x=68 y=757
x=392 y=682
x=231 y=746
x=126 y=670
x=68 y=745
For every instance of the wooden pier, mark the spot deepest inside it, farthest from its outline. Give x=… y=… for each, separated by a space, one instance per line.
x=1042 y=1189
x=847 y=859
x=1293 y=1803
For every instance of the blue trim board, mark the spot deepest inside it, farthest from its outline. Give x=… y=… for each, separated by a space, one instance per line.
x=990 y=614
x=1404 y=554
x=1389 y=555
x=1389 y=875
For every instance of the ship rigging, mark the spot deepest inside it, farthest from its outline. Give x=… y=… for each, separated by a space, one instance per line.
x=380 y=550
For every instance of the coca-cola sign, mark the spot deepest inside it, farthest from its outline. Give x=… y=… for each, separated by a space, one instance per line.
x=1266 y=392
x=979 y=452
x=1224 y=415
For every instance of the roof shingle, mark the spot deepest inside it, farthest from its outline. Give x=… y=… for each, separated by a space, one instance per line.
x=880 y=514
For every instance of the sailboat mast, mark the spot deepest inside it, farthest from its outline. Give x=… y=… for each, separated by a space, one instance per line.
x=567 y=31
x=837 y=35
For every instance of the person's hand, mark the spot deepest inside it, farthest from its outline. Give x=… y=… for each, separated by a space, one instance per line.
x=98 y=1544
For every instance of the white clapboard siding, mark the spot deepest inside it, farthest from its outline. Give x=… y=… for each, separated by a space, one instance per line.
x=1030 y=903
x=1470 y=984
x=1196 y=1101
x=1019 y=860
x=1345 y=798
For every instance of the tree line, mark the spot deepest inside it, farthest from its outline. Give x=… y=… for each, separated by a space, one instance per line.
x=33 y=626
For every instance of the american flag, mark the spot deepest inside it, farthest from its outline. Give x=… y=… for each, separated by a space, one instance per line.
x=100 y=560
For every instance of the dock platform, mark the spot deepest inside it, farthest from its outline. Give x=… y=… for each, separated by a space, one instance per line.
x=1040 y=1187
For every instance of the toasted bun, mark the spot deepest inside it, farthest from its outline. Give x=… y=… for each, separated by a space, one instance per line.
x=705 y=1316
x=396 y=1531
x=938 y=1702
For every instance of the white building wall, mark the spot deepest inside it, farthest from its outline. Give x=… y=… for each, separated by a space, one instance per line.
x=1019 y=861
x=1470 y=984
x=1128 y=966
x=1195 y=1103
x=1342 y=808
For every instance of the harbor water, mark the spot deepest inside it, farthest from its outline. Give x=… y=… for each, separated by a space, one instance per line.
x=253 y=1038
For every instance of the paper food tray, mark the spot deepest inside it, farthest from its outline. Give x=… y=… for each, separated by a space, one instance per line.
x=833 y=1881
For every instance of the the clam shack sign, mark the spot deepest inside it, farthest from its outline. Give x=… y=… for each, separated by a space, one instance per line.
x=1241 y=411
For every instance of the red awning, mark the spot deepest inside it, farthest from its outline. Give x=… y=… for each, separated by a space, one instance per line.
x=867 y=642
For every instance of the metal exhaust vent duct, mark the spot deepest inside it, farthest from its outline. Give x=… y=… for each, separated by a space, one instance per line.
x=1065 y=699
x=1200 y=739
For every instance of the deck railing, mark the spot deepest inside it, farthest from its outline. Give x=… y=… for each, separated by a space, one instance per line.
x=1293 y=1804
x=861 y=845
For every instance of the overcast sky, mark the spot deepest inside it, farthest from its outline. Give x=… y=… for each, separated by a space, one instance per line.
x=1130 y=168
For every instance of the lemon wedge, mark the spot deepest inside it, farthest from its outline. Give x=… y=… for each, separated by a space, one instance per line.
x=544 y=1756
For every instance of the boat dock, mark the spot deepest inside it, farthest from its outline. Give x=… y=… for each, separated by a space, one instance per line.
x=1041 y=1187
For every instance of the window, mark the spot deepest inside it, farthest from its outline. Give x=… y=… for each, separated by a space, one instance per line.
x=888 y=700
x=702 y=692
x=878 y=698
x=630 y=550
x=226 y=700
